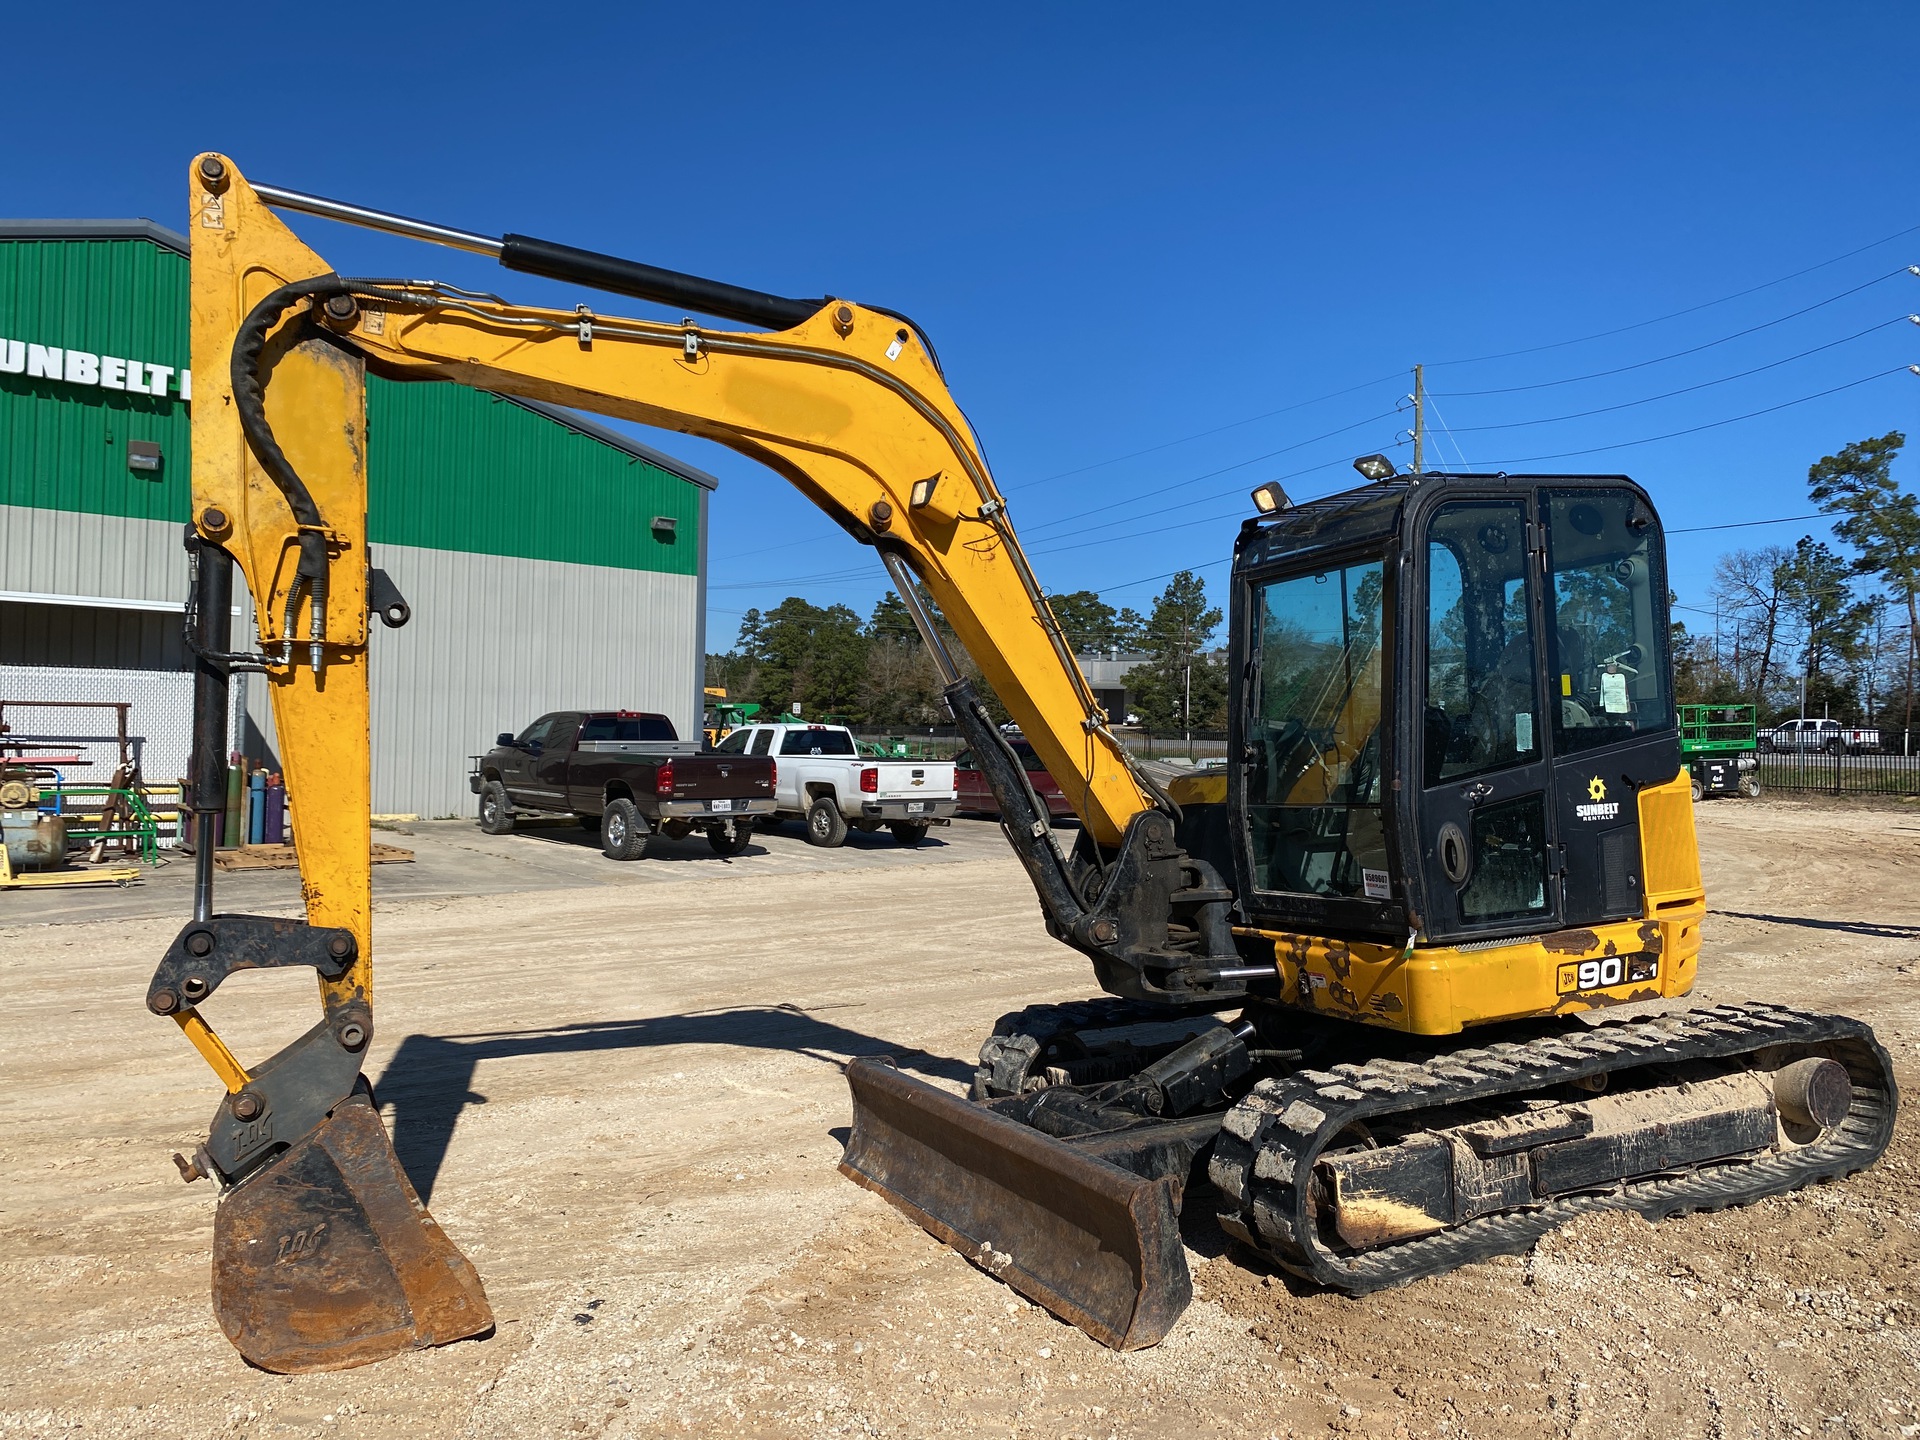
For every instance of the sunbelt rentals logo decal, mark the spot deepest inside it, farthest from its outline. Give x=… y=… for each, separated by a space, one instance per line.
x=1598 y=806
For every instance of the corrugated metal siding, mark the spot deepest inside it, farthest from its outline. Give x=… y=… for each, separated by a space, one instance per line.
x=65 y=446
x=456 y=469
x=496 y=642
x=76 y=636
x=448 y=467
x=160 y=724
x=65 y=552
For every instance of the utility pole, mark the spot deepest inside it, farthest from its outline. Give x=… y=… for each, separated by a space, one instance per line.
x=1419 y=419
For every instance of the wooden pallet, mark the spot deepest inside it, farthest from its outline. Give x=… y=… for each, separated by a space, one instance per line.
x=281 y=857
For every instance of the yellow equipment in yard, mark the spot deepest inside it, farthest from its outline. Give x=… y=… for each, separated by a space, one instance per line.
x=1452 y=800
x=10 y=879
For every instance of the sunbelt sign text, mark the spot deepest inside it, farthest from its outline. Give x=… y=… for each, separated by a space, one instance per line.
x=83 y=367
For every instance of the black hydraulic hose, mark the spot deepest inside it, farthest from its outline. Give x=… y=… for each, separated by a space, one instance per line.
x=250 y=404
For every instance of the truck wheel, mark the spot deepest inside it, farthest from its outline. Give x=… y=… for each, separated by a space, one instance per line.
x=1836 y=747
x=909 y=832
x=589 y=823
x=825 y=825
x=730 y=837
x=623 y=831
x=1696 y=790
x=496 y=815
x=1763 y=745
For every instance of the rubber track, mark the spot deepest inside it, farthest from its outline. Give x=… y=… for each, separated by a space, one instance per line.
x=1265 y=1156
x=1008 y=1055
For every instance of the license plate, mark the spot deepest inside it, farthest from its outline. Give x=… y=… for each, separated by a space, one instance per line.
x=720 y=807
x=916 y=807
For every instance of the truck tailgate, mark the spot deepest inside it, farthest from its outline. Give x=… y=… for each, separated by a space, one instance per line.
x=913 y=779
x=722 y=777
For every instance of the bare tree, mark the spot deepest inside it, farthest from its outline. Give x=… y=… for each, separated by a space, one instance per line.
x=1751 y=588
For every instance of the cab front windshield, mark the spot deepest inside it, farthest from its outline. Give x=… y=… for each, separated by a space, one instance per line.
x=1313 y=790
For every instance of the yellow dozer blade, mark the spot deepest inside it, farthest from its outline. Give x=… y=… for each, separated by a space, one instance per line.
x=1095 y=1244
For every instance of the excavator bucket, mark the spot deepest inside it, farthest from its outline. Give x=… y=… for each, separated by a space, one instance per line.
x=1095 y=1244
x=324 y=1258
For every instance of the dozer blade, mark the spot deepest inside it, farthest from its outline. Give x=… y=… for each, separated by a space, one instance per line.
x=1095 y=1244
x=324 y=1258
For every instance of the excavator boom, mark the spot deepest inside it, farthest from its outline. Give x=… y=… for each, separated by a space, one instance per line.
x=846 y=402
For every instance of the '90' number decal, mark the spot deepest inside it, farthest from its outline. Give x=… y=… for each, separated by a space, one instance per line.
x=1606 y=971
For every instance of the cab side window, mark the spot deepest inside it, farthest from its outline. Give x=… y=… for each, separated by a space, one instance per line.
x=534 y=737
x=762 y=742
x=1607 y=643
x=1482 y=702
x=736 y=743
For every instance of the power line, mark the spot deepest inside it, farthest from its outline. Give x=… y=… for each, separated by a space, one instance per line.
x=1691 y=309
x=1477 y=359
x=1223 y=470
x=1703 y=385
x=1696 y=429
x=1678 y=354
x=1203 y=434
x=1744 y=524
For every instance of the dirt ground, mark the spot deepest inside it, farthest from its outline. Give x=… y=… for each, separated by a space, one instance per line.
x=619 y=1088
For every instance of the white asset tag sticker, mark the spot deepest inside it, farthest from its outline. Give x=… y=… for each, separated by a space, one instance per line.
x=1378 y=885
x=1613 y=693
x=1523 y=731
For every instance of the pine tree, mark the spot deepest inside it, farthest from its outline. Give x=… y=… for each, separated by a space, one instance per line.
x=1881 y=522
x=1179 y=688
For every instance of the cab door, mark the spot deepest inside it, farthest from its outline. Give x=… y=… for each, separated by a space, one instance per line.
x=1613 y=731
x=555 y=761
x=517 y=767
x=1487 y=828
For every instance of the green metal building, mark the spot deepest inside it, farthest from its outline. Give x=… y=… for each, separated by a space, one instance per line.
x=550 y=561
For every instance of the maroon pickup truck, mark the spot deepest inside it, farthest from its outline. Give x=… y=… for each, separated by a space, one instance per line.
x=625 y=774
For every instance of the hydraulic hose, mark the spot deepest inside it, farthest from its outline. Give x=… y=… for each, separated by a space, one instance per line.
x=250 y=403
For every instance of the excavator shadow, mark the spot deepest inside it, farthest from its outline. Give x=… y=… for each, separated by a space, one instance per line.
x=1850 y=927
x=429 y=1081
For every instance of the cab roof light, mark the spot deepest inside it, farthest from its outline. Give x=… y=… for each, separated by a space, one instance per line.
x=921 y=495
x=1375 y=467
x=1270 y=498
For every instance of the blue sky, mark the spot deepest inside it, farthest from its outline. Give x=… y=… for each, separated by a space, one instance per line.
x=1124 y=226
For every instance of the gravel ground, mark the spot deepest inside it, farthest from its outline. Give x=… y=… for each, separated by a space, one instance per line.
x=619 y=1089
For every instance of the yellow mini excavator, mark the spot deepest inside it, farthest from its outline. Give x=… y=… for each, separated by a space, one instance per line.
x=1452 y=802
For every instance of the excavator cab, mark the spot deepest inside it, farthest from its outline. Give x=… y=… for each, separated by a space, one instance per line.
x=1450 y=691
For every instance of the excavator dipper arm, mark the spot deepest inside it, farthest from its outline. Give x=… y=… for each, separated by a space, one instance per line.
x=324 y=1257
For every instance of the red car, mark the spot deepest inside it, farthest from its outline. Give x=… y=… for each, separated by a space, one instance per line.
x=971 y=786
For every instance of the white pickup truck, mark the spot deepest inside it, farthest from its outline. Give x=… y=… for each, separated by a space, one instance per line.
x=1828 y=735
x=826 y=781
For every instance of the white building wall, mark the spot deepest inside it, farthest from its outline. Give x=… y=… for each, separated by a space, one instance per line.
x=497 y=641
x=494 y=642
x=107 y=558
